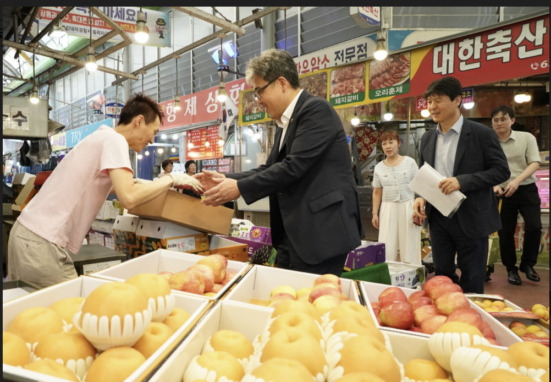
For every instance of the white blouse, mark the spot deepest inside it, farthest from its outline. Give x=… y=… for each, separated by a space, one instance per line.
x=395 y=180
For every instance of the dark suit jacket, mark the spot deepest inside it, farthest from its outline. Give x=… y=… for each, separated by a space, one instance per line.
x=479 y=165
x=311 y=188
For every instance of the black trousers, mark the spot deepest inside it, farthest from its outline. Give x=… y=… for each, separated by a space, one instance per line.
x=448 y=239
x=288 y=258
x=525 y=201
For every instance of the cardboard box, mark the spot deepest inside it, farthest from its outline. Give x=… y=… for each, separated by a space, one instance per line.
x=257 y=250
x=155 y=234
x=107 y=211
x=83 y=286
x=406 y=275
x=224 y=315
x=22 y=178
x=124 y=235
x=184 y=209
x=24 y=191
x=368 y=253
x=370 y=292
x=260 y=280
x=163 y=260
x=228 y=247
x=240 y=228
x=227 y=315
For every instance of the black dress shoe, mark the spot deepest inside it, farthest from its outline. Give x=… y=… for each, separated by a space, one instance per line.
x=530 y=272
x=513 y=277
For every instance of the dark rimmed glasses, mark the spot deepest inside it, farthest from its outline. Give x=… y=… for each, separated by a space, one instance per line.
x=258 y=92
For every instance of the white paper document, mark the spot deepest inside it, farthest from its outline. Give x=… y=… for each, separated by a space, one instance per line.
x=425 y=184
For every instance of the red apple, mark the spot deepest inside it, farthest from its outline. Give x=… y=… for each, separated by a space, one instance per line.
x=390 y=295
x=434 y=281
x=328 y=278
x=207 y=273
x=318 y=292
x=415 y=295
x=468 y=316
x=187 y=281
x=431 y=324
x=451 y=301
x=423 y=312
x=229 y=276
x=218 y=263
x=487 y=330
x=441 y=289
x=420 y=301
x=397 y=315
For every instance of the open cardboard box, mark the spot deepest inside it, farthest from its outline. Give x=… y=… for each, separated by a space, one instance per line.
x=83 y=286
x=260 y=280
x=371 y=291
x=165 y=260
x=187 y=210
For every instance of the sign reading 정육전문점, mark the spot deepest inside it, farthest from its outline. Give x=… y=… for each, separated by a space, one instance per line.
x=202 y=143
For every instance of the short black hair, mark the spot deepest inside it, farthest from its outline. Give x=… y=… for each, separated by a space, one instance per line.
x=140 y=104
x=448 y=86
x=504 y=110
x=165 y=163
x=186 y=165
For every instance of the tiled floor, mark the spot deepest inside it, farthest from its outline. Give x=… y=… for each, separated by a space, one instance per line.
x=525 y=295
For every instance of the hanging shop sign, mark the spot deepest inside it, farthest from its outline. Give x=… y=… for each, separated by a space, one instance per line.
x=77 y=23
x=511 y=51
x=200 y=107
x=347 y=85
x=203 y=143
x=69 y=139
x=249 y=110
x=113 y=109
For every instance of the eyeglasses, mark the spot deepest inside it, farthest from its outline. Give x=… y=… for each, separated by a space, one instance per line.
x=258 y=92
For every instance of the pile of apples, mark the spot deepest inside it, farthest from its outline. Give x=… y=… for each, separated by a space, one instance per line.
x=440 y=301
x=493 y=306
x=528 y=332
x=207 y=276
x=541 y=311
x=325 y=293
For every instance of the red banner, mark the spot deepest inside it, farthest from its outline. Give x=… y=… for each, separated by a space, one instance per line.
x=512 y=51
x=201 y=106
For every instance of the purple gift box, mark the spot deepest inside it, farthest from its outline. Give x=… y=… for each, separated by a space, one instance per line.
x=368 y=253
x=261 y=234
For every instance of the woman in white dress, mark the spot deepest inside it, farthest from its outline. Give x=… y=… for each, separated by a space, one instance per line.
x=393 y=203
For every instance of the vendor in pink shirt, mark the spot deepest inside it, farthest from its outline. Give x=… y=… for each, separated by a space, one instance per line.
x=58 y=218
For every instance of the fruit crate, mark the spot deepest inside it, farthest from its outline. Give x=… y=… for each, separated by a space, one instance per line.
x=371 y=291
x=229 y=315
x=163 y=260
x=256 y=285
x=515 y=318
x=82 y=287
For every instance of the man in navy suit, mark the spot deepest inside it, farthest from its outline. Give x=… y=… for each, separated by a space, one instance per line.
x=314 y=208
x=470 y=158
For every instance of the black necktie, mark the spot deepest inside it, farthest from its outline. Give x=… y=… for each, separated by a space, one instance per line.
x=277 y=138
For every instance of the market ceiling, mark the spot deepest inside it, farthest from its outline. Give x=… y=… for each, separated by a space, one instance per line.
x=63 y=62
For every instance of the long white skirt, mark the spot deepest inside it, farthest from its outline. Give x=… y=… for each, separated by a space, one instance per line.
x=402 y=238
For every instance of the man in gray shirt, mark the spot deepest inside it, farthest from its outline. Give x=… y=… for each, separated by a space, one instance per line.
x=520 y=195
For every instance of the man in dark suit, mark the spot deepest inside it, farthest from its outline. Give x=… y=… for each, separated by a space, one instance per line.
x=314 y=208
x=470 y=158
